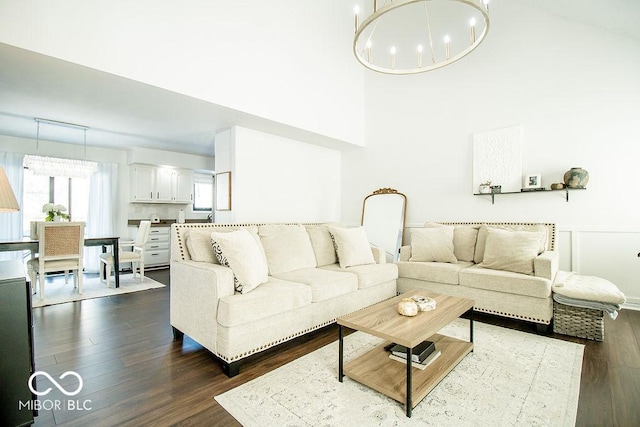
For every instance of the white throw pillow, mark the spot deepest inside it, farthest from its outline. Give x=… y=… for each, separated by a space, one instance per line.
x=464 y=240
x=242 y=253
x=511 y=250
x=432 y=244
x=287 y=247
x=199 y=246
x=322 y=244
x=482 y=237
x=352 y=246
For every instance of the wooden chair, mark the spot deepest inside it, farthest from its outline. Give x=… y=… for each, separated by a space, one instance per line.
x=60 y=248
x=135 y=256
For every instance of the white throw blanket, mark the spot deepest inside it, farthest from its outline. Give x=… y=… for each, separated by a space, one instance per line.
x=592 y=292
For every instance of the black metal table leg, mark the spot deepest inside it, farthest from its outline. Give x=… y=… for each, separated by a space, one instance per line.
x=340 y=352
x=409 y=400
x=471 y=327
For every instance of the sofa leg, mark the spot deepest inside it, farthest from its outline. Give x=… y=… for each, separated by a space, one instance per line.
x=542 y=328
x=231 y=369
x=177 y=334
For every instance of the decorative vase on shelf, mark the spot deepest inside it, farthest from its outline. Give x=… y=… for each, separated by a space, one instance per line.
x=576 y=178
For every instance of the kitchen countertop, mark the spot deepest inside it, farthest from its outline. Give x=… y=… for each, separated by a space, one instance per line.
x=163 y=222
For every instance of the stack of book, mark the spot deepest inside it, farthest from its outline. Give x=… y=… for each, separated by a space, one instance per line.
x=422 y=355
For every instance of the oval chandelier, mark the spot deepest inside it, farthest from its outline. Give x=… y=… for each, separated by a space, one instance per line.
x=415 y=36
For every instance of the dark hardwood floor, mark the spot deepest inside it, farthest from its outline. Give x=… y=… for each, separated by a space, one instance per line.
x=135 y=374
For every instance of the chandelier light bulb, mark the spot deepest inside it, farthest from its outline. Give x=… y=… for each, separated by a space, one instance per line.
x=356 y=9
x=472 y=37
x=419 y=49
x=368 y=44
x=368 y=50
x=447 y=46
x=393 y=57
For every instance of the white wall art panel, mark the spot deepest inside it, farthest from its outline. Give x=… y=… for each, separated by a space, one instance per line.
x=497 y=157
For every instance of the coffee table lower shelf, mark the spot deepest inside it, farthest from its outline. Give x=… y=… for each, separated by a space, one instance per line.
x=376 y=370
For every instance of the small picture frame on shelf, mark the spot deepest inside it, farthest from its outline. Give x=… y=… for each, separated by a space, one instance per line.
x=532 y=181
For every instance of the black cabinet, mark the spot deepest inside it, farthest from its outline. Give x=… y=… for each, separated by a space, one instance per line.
x=16 y=346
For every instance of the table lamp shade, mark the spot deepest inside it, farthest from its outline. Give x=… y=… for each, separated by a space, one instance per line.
x=8 y=202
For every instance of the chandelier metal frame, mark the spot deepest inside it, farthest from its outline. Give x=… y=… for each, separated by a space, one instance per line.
x=360 y=49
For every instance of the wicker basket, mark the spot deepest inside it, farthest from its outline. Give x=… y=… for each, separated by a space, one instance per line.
x=578 y=322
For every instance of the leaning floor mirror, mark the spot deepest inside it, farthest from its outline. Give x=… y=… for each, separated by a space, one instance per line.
x=383 y=218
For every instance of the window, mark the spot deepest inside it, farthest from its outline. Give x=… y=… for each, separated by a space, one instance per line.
x=72 y=193
x=202 y=192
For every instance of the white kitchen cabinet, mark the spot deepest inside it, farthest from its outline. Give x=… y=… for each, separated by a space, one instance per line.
x=157 y=250
x=183 y=186
x=154 y=184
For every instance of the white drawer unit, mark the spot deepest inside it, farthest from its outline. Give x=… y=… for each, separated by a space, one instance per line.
x=157 y=250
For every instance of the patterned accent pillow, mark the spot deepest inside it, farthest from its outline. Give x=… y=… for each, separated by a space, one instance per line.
x=243 y=254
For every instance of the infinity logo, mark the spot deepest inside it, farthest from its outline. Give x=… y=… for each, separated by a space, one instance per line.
x=62 y=389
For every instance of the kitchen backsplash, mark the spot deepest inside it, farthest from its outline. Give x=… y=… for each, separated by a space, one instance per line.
x=164 y=211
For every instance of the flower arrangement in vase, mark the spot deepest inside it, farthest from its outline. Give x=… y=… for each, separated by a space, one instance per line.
x=54 y=212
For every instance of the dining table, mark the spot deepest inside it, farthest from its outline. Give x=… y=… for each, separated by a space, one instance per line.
x=32 y=245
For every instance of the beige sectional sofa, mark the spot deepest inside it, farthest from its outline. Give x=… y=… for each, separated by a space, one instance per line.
x=282 y=281
x=507 y=268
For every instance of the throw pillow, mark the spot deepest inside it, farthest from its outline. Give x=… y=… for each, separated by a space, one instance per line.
x=464 y=240
x=199 y=246
x=511 y=250
x=352 y=246
x=482 y=237
x=287 y=247
x=432 y=244
x=322 y=244
x=242 y=253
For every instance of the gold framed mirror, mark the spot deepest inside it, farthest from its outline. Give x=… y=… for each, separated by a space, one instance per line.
x=383 y=219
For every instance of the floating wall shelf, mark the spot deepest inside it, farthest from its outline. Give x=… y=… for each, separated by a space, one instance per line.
x=566 y=190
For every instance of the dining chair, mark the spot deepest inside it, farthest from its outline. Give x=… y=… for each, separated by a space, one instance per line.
x=135 y=256
x=60 y=248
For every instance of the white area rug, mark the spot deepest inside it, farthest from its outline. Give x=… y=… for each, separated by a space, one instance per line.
x=511 y=379
x=57 y=292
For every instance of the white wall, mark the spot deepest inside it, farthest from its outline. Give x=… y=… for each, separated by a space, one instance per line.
x=286 y=61
x=276 y=179
x=575 y=90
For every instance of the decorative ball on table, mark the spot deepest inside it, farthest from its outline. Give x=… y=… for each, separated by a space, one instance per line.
x=408 y=307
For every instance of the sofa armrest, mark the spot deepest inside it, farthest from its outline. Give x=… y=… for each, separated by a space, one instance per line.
x=378 y=255
x=546 y=264
x=405 y=253
x=195 y=290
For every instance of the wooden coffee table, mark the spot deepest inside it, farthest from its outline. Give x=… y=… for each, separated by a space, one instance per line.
x=397 y=380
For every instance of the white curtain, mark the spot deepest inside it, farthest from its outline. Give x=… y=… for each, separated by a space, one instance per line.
x=11 y=223
x=103 y=208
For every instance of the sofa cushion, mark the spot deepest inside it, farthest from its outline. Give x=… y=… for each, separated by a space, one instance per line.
x=482 y=237
x=352 y=246
x=242 y=253
x=322 y=245
x=432 y=244
x=271 y=298
x=287 y=247
x=464 y=240
x=371 y=274
x=324 y=284
x=441 y=272
x=505 y=281
x=198 y=241
x=511 y=250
